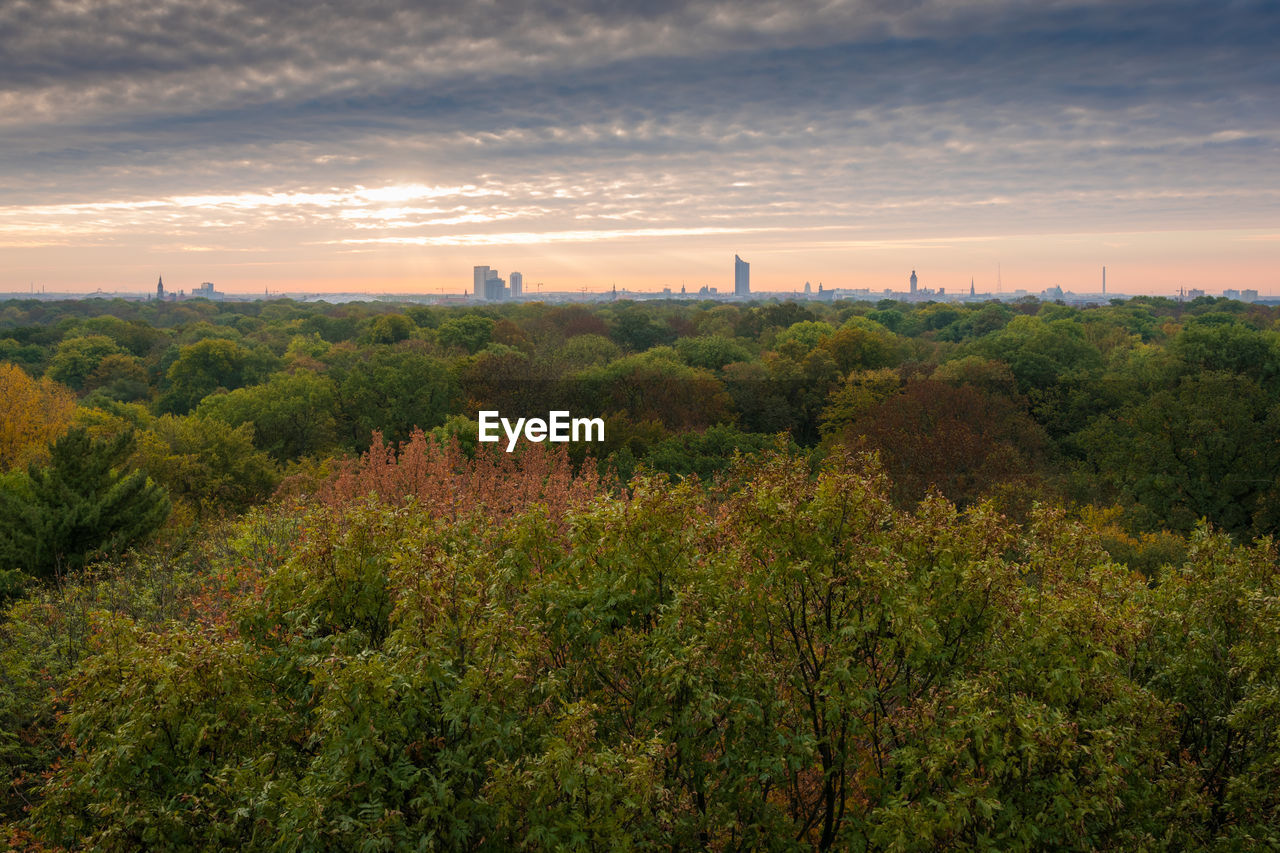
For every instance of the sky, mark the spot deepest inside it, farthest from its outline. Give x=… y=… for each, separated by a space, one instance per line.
x=392 y=145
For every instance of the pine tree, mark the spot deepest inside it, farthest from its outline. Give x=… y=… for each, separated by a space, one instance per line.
x=80 y=506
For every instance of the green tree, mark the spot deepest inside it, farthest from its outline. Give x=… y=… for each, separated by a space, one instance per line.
x=78 y=358
x=586 y=350
x=706 y=453
x=1205 y=448
x=208 y=366
x=1056 y=366
x=1218 y=343
x=391 y=390
x=80 y=506
x=859 y=343
x=390 y=329
x=636 y=330
x=803 y=337
x=207 y=463
x=292 y=414
x=1213 y=653
x=712 y=352
x=469 y=332
x=654 y=385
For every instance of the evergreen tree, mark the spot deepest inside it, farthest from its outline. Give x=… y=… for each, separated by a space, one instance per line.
x=82 y=504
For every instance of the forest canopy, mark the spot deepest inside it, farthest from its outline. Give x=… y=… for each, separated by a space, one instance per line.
x=842 y=575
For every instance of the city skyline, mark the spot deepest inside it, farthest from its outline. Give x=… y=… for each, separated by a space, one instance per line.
x=266 y=147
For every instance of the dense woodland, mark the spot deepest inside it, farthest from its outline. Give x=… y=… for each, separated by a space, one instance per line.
x=870 y=576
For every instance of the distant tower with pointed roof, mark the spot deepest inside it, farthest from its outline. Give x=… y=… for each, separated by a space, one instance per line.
x=914 y=281
x=160 y=289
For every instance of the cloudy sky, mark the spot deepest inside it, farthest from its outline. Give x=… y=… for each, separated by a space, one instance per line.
x=390 y=145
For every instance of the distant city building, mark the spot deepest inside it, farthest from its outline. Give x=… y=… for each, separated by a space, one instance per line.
x=1249 y=296
x=914 y=281
x=206 y=291
x=487 y=284
x=160 y=289
x=1231 y=294
x=495 y=288
x=517 y=285
x=807 y=288
x=971 y=293
x=741 y=277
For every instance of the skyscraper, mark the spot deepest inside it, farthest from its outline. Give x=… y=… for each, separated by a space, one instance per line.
x=741 y=277
x=481 y=276
x=914 y=281
x=517 y=285
x=494 y=287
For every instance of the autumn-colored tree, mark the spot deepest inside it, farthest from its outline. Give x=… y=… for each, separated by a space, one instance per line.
x=959 y=440
x=569 y=321
x=861 y=391
x=33 y=413
x=448 y=483
x=794 y=664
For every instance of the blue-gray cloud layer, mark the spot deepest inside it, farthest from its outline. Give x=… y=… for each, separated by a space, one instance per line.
x=943 y=116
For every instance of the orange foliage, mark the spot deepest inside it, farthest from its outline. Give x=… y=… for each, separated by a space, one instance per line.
x=32 y=415
x=449 y=484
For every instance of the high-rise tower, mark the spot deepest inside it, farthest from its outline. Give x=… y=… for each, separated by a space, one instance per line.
x=914 y=281
x=741 y=277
